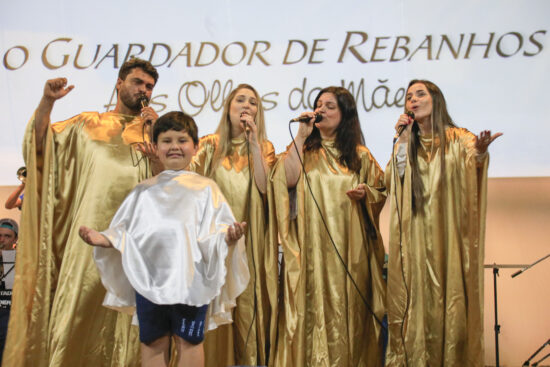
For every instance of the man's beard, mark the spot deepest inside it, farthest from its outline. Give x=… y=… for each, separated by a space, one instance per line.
x=131 y=103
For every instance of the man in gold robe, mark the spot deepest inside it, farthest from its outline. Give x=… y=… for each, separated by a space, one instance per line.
x=79 y=171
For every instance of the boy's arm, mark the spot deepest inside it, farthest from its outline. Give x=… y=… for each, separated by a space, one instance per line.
x=150 y=151
x=93 y=237
x=235 y=232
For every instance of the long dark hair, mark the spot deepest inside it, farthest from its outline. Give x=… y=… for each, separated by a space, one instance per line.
x=348 y=132
x=440 y=121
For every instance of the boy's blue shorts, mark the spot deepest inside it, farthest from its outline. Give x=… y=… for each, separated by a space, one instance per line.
x=156 y=321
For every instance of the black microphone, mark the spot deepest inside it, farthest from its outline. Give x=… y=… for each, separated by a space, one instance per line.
x=517 y=273
x=318 y=117
x=402 y=128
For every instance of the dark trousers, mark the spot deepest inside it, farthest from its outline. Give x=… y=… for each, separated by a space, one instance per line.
x=4 y=318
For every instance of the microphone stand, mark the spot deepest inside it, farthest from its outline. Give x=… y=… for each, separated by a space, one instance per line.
x=526 y=363
x=495 y=268
x=540 y=360
x=7 y=272
x=529 y=266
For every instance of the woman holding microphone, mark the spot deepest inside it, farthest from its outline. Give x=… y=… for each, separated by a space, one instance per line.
x=326 y=210
x=437 y=180
x=238 y=158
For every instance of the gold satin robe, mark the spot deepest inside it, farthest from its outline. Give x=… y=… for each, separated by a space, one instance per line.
x=322 y=319
x=443 y=250
x=225 y=346
x=87 y=168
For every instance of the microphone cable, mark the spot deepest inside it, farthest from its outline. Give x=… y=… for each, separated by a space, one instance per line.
x=407 y=303
x=249 y=232
x=137 y=160
x=363 y=298
x=144 y=102
x=394 y=159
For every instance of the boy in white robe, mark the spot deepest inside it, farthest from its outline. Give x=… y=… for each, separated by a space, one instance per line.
x=173 y=251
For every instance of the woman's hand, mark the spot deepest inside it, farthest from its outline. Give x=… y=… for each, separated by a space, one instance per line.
x=406 y=121
x=305 y=128
x=358 y=193
x=249 y=126
x=484 y=139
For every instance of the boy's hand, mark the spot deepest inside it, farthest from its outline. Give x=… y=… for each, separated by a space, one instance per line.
x=148 y=149
x=235 y=232
x=93 y=237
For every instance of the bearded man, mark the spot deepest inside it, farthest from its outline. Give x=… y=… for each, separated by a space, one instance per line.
x=79 y=171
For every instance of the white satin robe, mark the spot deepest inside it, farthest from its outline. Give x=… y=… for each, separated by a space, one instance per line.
x=169 y=245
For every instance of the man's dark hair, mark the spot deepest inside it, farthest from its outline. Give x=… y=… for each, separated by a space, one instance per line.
x=135 y=62
x=177 y=121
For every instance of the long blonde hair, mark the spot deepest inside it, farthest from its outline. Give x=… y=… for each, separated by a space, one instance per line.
x=440 y=120
x=223 y=131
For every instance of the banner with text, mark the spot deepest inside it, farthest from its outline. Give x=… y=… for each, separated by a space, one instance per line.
x=490 y=59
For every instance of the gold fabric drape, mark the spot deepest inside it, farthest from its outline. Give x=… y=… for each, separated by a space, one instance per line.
x=442 y=251
x=245 y=341
x=87 y=168
x=323 y=320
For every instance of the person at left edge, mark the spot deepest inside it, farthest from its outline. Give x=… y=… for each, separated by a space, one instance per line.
x=15 y=199
x=8 y=241
x=78 y=171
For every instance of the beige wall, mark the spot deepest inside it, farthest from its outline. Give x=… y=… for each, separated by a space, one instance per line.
x=518 y=232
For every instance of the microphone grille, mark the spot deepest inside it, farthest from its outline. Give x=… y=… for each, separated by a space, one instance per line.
x=144 y=101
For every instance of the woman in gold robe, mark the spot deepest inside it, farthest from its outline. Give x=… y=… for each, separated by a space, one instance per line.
x=332 y=292
x=437 y=226
x=238 y=158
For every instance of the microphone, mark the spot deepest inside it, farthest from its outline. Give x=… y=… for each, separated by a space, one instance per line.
x=246 y=127
x=144 y=101
x=318 y=117
x=402 y=128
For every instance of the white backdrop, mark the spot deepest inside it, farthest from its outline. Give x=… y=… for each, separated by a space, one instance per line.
x=490 y=58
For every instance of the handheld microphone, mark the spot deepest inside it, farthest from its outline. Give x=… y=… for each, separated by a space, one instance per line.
x=402 y=128
x=144 y=101
x=246 y=127
x=318 y=117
